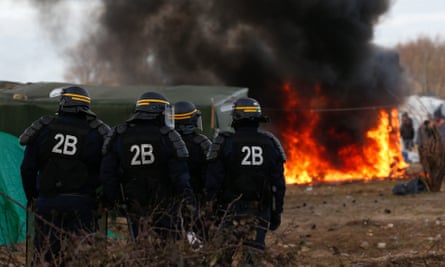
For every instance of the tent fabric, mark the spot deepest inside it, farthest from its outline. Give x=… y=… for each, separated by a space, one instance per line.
x=12 y=197
x=20 y=106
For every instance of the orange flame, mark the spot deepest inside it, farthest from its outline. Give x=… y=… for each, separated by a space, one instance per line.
x=380 y=157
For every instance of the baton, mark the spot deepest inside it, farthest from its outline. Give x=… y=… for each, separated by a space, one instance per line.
x=125 y=208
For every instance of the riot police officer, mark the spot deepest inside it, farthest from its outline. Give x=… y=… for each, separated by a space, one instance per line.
x=187 y=121
x=245 y=172
x=60 y=169
x=145 y=162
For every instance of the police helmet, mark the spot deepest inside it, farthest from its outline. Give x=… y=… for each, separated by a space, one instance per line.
x=151 y=102
x=247 y=110
x=153 y=105
x=187 y=117
x=75 y=99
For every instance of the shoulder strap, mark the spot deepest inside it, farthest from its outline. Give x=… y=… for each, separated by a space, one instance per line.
x=203 y=142
x=31 y=132
x=178 y=143
x=120 y=129
x=217 y=144
x=101 y=127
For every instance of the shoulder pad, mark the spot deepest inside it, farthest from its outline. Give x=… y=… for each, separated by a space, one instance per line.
x=107 y=140
x=215 y=147
x=203 y=142
x=277 y=144
x=225 y=134
x=219 y=139
x=101 y=127
x=31 y=132
x=165 y=130
x=47 y=119
x=120 y=129
x=176 y=139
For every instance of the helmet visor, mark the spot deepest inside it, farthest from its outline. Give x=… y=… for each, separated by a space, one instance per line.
x=56 y=92
x=199 y=123
x=169 y=116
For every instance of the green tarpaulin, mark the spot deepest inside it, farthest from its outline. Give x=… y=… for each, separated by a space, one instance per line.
x=12 y=197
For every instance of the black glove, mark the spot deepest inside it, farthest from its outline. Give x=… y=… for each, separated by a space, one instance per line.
x=275 y=221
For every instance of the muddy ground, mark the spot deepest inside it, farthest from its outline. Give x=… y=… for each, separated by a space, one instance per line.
x=362 y=224
x=349 y=224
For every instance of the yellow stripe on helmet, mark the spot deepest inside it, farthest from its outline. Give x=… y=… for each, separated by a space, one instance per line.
x=184 y=116
x=249 y=108
x=78 y=97
x=144 y=102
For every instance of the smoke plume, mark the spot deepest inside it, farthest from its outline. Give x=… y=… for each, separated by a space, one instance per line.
x=321 y=48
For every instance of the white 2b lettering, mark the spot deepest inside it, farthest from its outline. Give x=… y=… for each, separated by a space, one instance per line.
x=253 y=155
x=142 y=154
x=66 y=144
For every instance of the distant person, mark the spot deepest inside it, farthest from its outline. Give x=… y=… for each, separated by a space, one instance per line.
x=440 y=125
x=407 y=132
x=431 y=142
x=439 y=116
x=60 y=172
x=424 y=132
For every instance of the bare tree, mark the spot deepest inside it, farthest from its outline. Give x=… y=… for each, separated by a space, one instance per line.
x=85 y=68
x=424 y=59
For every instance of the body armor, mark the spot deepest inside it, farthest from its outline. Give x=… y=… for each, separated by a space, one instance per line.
x=64 y=171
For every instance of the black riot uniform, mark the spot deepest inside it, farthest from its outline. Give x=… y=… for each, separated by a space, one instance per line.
x=148 y=161
x=187 y=121
x=245 y=172
x=60 y=169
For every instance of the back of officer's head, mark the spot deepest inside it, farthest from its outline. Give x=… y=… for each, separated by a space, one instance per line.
x=75 y=99
x=187 y=117
x=247 y=112
x=150 y=106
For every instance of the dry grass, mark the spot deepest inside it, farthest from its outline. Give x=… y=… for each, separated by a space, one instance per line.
x=350 y=224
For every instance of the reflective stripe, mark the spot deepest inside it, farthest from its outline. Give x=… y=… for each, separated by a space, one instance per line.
x=79 y=97
x=184 y=116
x=144 y=102
x=248 y=108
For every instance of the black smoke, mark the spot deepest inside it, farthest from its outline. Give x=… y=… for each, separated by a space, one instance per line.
x=259 y=44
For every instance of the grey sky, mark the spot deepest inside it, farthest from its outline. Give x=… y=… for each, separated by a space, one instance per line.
x=407 y=19
x=29 y=54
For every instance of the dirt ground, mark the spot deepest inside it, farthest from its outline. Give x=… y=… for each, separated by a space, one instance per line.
x=362 y=224
x=355 y=224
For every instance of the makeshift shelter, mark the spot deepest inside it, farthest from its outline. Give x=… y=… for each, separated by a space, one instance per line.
x=12 y=197
x=23 y=104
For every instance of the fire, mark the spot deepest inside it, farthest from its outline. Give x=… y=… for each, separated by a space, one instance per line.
x=378 y=158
